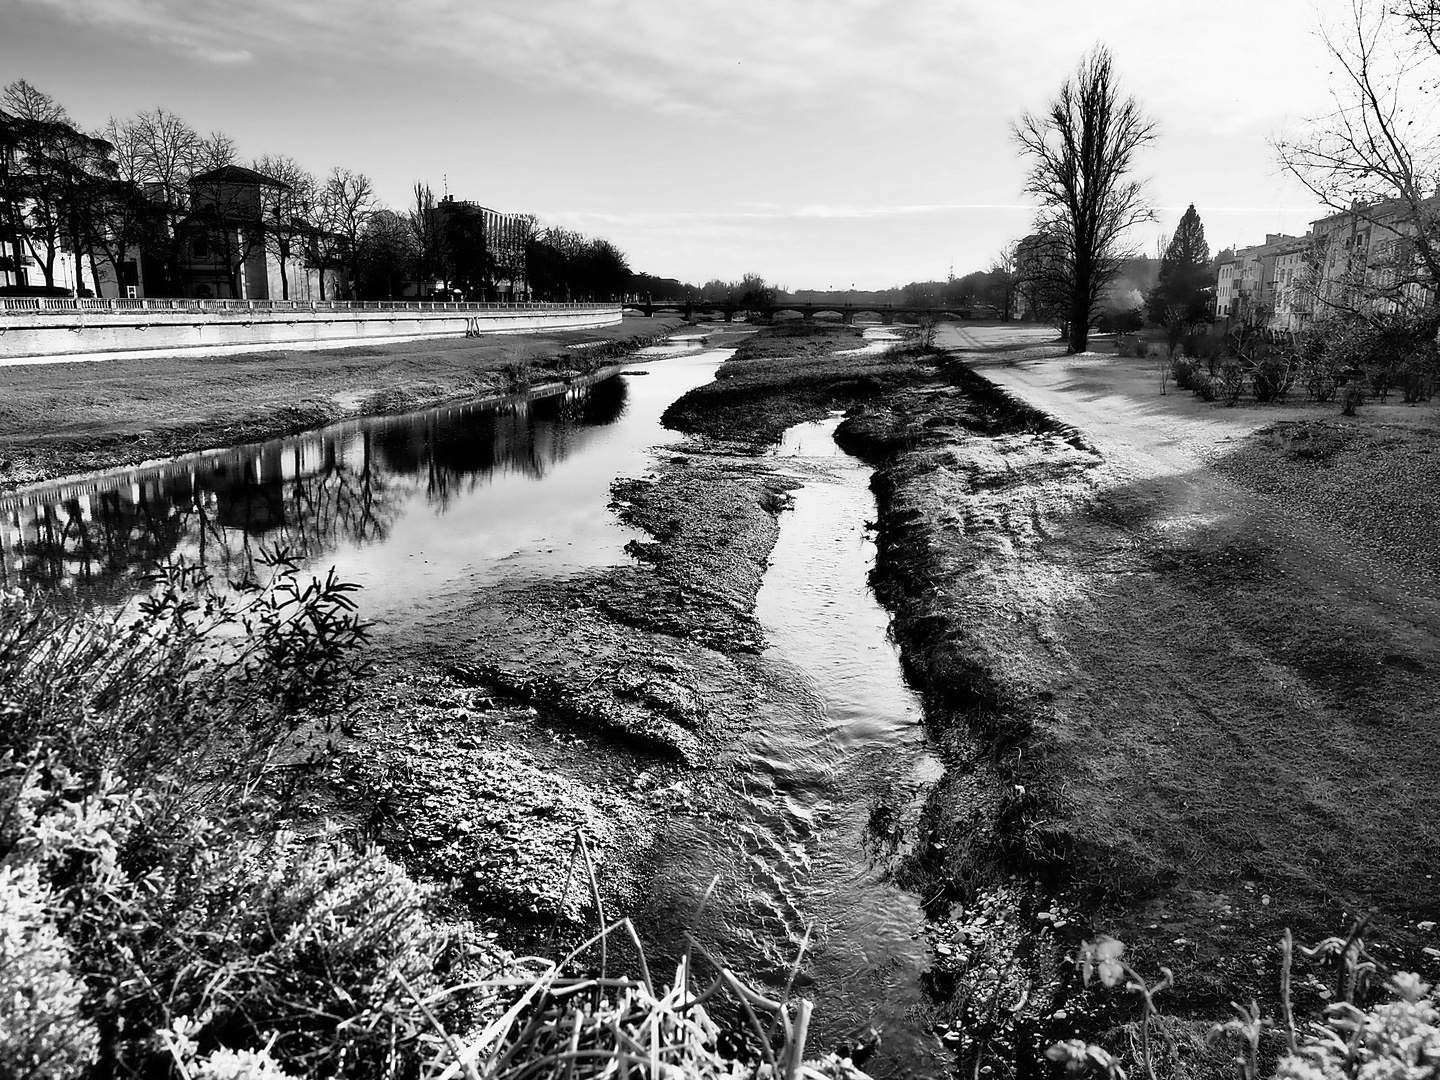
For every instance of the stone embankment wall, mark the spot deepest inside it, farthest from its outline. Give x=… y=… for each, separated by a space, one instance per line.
x=43 y=329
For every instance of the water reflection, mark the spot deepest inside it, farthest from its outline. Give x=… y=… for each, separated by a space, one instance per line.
x=345 y=485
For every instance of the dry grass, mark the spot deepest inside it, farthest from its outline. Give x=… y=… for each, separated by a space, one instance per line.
x=1195 y=696
x=560 y=1025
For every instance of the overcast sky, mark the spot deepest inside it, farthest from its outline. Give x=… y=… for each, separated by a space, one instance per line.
x=818 y=143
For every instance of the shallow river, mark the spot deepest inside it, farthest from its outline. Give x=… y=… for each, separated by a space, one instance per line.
x=826 y=776
x=417 y=508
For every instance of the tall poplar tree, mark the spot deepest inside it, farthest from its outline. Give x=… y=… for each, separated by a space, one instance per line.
x=1081 y=151
x=1184 y=297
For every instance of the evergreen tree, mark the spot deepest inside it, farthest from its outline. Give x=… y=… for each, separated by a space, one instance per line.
x=1184 y=297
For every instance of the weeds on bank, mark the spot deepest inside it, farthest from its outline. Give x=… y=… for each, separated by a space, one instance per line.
x=159 y=915
x=1354 y=1040
x=563 y=1021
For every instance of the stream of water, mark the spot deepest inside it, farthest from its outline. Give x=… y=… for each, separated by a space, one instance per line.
x=417 y=507
x=827 y=775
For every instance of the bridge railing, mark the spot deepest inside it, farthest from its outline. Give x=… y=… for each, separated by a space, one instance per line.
x=22 y=304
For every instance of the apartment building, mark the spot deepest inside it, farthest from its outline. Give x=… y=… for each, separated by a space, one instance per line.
x=1365 y=256
x=1261 y=280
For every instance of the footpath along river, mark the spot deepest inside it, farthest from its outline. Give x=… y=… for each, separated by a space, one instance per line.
x=421 y=508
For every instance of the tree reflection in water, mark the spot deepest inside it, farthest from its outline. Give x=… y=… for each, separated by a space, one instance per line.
x=100 y=535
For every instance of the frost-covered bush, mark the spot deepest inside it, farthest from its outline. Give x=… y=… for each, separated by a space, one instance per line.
x=141 y=844
x=44 y=1032
x=1397 y=1040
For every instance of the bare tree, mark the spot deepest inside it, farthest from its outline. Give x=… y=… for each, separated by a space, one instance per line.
x=1081 y=149
x=285 y=211
x=1004 y=279
x=1376 y=156
x=348 y=200
x=424 y=225
x=168 y=152
x=124 y=217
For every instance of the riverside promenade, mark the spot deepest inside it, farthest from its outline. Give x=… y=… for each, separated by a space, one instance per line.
x=46 y=329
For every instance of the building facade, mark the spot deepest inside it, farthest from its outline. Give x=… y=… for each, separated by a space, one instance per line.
x=482 y=254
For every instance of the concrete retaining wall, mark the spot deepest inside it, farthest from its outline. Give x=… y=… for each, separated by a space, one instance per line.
x=59 y=334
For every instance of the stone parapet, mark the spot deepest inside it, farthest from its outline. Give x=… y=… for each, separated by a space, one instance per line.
x=71 y=332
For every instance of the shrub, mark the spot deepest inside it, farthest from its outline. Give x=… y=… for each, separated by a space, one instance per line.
x=1230 y=382
x=1120 y=320
x=1183 y=369
x=139 y=842
x=1416 y=376
x=200 y=688
x=1204 y=384
x=1381 y=378
x=43 y=1032
x=1320 y=378
x=1207 y=346
x=1272 y=377
x=927 y=327
x=1353 y=399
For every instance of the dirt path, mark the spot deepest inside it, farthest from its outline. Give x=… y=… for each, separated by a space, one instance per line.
x=1194 y=662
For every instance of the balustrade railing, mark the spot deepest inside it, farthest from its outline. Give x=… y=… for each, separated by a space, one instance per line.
x=25 y=304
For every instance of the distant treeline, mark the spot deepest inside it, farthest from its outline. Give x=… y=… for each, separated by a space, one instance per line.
x=148 y=199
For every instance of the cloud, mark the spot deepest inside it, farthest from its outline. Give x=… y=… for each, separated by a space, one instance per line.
x=853 y=211
x=846 y=64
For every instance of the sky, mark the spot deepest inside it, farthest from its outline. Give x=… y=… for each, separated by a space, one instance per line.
x=834 y=144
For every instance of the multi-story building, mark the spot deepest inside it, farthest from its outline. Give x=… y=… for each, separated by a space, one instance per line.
x=1292 y=304
x=226 y=243
x=1249 y=283
x=1366 y=257
x=483 y=251
x=19 y=266
x=1227 y=281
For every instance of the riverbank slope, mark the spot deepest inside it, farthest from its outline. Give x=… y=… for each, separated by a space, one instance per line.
x=1176 y=659
x=58 y=419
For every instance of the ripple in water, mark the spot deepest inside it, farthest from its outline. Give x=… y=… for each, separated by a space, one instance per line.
x=840 y=740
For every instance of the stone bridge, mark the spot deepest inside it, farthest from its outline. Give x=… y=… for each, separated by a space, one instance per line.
x=847 y=312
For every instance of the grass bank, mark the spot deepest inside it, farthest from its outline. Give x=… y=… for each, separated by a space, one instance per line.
x=789 y=373
x=57 y=419
x=1173 y=656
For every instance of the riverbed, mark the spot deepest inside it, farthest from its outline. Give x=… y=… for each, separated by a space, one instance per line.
x=503 y=543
